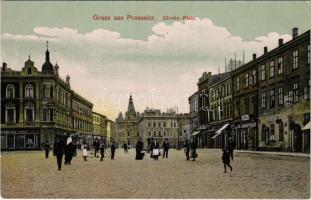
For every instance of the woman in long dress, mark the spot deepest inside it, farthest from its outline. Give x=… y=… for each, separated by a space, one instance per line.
x=139 y=147
x=85 y=151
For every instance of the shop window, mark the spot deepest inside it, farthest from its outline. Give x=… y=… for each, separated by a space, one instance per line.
x=30 y=141
x=272 y=135
x=11 y=141
x=19 y=141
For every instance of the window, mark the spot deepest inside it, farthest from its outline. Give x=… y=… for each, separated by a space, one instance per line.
x=29 y=113
x=272 y=98
x=281 y=131
x=295 y=59
x=272 y=135
x=246 y=80
x=29 y=91
x=51 y=92
x=10 y=91
x=29 y=70
x=263 y=100
x=164 y=124
x=271 y=69
x=238 y=83
x=308 y=54
x=290 y=96
x=149 y=124
x=306 y=93
x=10 y=114
x=45 y=114
x=280 y=66
x=246 y=104
x=254 y=77
x=263 y=72
x=280 y=96
x=296 y=93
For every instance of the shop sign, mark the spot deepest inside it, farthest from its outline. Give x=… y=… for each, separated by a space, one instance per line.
x=245 y=117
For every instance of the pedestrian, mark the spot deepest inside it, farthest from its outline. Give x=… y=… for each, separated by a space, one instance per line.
x=193 y=148
x=102 y=151
x=47 y=148
x=70 y=150
x=58 y=151
x=187 y=149
x=96 y=147
x=125 y=147
x=139 y=147
x=85 y=148
x=113 y=149
x=166 y=146
x=226 y=159
x=156 y=150
x=231 y=147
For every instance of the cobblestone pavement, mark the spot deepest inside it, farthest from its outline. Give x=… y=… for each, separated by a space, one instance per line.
x=30 y=175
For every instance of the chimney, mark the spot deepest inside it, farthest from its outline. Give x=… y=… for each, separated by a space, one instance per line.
x=265 y=50
x=4 y=66
x=280 y=42
x=295 y=32
x=254 y=56
x=68 y=80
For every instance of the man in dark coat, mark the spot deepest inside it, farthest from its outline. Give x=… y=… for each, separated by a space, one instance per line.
x=187 y=149
x=102 y=151
x=193 y=147
x=96 y=145
x=139 y=147
x=231 y=147
x=47 y=148
x=58 y=151
x=125 y=147
x=113 y=149
x=166 y=146
x=226 y=159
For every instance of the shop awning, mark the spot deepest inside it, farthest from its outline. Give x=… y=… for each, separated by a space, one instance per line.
x=195 y=133
x=219 y=131
x=307 y=126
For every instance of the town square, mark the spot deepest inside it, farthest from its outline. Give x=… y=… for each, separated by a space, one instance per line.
x=155 y=99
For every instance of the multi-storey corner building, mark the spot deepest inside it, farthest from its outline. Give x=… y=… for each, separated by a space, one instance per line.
x=221 y=108
x=284 y=95
x=127 y=128
x=37 y=105
x=270 y=100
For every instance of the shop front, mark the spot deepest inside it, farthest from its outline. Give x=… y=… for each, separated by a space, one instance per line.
x=20 y=139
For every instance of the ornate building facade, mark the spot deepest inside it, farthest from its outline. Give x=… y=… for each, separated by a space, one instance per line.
x=37 y=105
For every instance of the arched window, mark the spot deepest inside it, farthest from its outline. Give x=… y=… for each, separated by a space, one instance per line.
x=10 y=91
x=10 y=114
x=29 y=91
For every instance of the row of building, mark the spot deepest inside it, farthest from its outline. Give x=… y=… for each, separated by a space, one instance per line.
x=262 y=105
x=37 y=105
x=151 y=124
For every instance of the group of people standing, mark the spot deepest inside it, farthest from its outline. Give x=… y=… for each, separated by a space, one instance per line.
x=62 y=146
x=68 y=147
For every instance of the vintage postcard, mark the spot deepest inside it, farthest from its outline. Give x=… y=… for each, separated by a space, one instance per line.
x=155 y=99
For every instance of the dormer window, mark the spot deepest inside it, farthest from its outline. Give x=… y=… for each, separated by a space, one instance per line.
x=29 y=91
x=29 y=70
x=10 y=91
